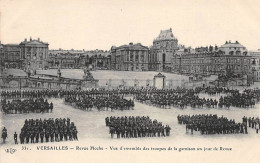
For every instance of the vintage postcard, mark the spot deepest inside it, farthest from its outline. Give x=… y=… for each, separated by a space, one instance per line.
x=129 y=81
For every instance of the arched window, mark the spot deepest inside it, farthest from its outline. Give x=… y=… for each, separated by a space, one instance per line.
x=238 y=53
x=231 y=53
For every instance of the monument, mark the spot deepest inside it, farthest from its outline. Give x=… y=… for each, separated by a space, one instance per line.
x=88 y=81
x=159 y=81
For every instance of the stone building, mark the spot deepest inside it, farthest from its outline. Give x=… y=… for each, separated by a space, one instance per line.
x=35 y=54
x=230 y=58
x=255 y=64
x=93 y=60
x=132 y=57
x=101 y=61
x=96 y=60
x=1 y=57
x=162 y=50
x=63 y=60
x=12 y=56
x=237 y=60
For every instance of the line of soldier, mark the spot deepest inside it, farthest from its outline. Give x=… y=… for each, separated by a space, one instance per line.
x=31 y=105
x=234 y=98
x=241 y=100
x=126 y=91
x=176 y=100
x=86 y=102
x=253 y=122
x=211 y=124
x=50 y=130
x=134 y=127
x=214 y=90
x=16 y=94
x=189 y=98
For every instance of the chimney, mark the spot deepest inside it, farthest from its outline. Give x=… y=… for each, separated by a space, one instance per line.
x=131 y=43
x=30 y=38
x=229 y=41
x=25 y=39
x=38 y=39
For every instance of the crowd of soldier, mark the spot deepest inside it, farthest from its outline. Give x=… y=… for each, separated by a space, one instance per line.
x=136 y=127
x=86 y=102
x=167 y=100
x=211 y=124
x=38 y=105
x=189 y=97
x=50 y=130
x=253 y=122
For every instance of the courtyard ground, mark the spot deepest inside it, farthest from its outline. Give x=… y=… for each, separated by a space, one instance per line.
x=91 y=124
x=93 y=132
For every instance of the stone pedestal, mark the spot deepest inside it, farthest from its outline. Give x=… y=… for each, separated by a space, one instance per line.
x=88 y=81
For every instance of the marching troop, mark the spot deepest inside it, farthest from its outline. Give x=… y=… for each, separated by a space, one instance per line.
x=180 y=97
x=211 y=124
x=19 y=106
x=48 y=130
x=183 y=100
x=188 y=97
x=86 y=102
x=135 y=127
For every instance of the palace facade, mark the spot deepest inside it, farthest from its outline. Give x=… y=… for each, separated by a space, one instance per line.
x=34 y=54
x=12 y=56
x=74 y=59
x=162 y=50
x=229 y=58
x=131 y=57
x=255 y=64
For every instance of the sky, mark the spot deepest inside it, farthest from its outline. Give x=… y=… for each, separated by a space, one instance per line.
x=100 y=24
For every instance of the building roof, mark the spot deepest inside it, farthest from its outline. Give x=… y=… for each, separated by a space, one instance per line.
x=132 y=46
x=179 y=52
x=254 y=53
x=12 y=45
x=232 y=45
x=165 y=35
x=33 y=42
x=159 y=75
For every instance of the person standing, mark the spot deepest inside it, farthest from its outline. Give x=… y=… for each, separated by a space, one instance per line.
x=257 y=127
x=15 y=138
x=21 y=138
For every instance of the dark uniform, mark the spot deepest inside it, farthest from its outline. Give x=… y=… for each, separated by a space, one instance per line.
x=15 y=138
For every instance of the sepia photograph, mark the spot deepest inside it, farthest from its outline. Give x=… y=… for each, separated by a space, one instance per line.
x=129 y=81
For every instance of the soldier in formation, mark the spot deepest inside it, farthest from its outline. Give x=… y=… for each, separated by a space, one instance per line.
x=19 y=106
x=211 y=124
x=48 y=130
x=134 y=127
x=86 y=102
x=252 y=122
x=164 y=98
